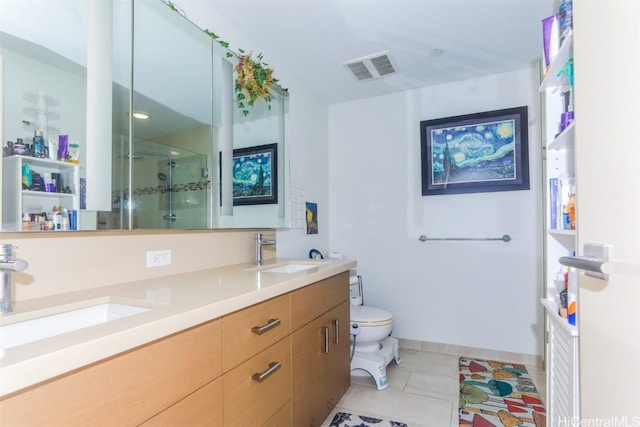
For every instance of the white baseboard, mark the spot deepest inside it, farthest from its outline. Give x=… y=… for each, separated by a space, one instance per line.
x=480 y=353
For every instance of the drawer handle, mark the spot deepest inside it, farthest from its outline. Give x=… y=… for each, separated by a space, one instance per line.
x=325 y=331
x=273 y=366
x=336 y=325
x=271 y=323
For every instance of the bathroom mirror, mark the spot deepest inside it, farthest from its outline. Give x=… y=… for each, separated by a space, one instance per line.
x=164 y=170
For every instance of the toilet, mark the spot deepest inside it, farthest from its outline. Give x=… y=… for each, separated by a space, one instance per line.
x=374 y=348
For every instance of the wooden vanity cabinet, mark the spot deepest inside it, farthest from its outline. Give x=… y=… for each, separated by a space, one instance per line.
x=219 y=373
x=126 y=389
x=320 y=316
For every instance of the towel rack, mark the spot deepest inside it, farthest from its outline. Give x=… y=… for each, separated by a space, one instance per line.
x=505 y=238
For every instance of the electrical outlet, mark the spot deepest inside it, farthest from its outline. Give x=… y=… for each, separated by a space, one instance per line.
x=158 y=258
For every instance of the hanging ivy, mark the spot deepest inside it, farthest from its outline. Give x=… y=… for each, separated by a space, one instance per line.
x=254 y=77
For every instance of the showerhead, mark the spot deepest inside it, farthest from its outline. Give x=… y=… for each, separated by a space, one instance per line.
x=162 y=177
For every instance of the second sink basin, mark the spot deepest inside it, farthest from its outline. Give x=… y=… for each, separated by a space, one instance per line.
x=290 y=268
x=38 y=328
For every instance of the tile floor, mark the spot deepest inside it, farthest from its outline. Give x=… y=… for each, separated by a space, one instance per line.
x=422 y=391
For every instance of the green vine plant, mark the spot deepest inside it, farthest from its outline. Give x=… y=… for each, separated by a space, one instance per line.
x=254 y=77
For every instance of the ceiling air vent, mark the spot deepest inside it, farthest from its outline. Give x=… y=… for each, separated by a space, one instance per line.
x=372 y=66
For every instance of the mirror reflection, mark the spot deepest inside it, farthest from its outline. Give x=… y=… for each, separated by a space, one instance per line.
x=44 y=95
x=167 y=168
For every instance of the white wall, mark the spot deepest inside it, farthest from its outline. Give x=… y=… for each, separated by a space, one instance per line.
x=475 y=294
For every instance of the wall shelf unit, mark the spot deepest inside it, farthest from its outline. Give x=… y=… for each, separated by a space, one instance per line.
x=17 y=201
x=562 y=338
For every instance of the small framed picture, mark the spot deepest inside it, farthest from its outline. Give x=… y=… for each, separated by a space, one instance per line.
x=255 y=175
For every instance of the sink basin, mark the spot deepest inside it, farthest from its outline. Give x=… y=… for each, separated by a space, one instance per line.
x=15 y=334
x=289 y=268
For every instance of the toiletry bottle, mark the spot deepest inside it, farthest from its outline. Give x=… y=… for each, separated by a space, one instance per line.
x=26 y=221
x=19 y=148
x=63 y=146
x=65 y=219
x=560 y=286
x=38 y=144
x=571 y=207
x=566 y=218
x=572 y=297
x=27 y=176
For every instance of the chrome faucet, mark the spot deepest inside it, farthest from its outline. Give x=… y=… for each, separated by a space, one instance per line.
x=8 y=265
x=260 y=242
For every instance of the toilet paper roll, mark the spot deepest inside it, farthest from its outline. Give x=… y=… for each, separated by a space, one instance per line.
x=356 y=300
x=353 y=280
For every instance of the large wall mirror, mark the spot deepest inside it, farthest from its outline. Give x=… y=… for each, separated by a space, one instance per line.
x=153 y=137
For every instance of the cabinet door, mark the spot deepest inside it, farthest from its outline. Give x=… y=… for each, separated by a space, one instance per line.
x=562 y=373
x=309 y=373
x=339 y=366
x=315 y=300
x=252 y=402
x=201 y=408
x=125 y=390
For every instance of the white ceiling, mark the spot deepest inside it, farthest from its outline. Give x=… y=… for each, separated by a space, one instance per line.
x=312 y=38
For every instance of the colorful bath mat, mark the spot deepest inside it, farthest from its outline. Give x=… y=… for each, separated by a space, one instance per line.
x=498 y=394
x=344 y=419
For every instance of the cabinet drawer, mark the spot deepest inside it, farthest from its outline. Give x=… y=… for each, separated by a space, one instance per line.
x=282 y=418
x=201 y=408
x=126 y=389
x=314 y=300
x=248 y=402
x=249 y=331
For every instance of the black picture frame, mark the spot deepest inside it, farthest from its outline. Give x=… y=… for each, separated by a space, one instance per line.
x=475 y=153
x=255 y=175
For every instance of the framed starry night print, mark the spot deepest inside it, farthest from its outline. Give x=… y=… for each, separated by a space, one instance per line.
x=475 y=153
x=255 y=175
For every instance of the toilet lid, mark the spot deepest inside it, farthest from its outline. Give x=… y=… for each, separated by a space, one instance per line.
x=365 y=314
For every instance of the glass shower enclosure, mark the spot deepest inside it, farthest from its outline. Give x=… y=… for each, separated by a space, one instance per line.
x=170 y=187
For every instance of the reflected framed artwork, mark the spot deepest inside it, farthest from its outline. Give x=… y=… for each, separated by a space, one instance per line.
x=475 y=153
x=255 y=175
x=311 y=209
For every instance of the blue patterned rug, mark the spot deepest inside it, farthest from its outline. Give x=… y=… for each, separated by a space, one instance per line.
x=343 y=419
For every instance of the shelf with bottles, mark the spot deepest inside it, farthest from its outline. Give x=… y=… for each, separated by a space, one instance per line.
x=561 y=233
x=25 y=183
x=561 y=214
x=564 y=140
x=560 y=298
x=54 y=195
x=551 y=307
x=554 y=75
x=64 y=176
x=37 y=161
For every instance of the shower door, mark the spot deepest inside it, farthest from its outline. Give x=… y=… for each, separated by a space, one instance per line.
x=170 y=187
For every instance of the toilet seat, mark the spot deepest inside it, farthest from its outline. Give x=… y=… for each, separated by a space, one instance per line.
x=366 y=316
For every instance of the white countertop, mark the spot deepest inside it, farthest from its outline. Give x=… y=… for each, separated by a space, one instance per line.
x=178 y=302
